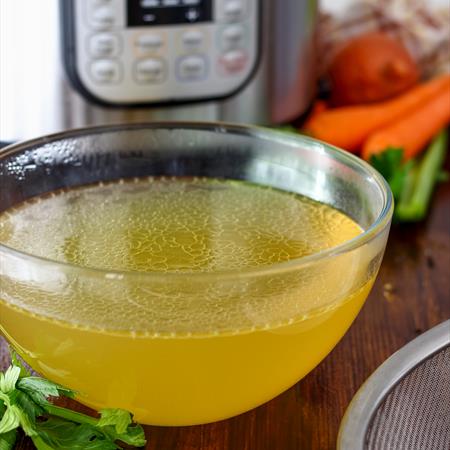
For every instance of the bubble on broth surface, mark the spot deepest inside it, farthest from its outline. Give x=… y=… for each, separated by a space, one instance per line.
x=177 y=225
x=165 y=225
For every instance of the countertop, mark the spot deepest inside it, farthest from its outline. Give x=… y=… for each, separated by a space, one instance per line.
x=411 y=295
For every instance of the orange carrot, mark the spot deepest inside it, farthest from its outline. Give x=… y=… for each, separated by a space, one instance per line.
x=318 y=107
x=414 y=130
x=348 y=127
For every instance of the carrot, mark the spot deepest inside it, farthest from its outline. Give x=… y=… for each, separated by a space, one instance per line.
x=414 y=130
x=318 y=107
x=348 y=127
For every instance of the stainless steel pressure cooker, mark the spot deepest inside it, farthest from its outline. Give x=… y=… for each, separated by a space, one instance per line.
x=88 y=62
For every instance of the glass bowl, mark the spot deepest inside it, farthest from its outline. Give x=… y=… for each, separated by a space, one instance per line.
x=266 y=327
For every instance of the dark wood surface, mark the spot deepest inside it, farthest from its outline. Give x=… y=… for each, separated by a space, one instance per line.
x=411 y=295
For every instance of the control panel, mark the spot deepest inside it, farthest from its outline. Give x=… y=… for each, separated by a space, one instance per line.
x=156 y=51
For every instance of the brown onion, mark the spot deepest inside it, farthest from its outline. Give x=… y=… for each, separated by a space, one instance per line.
x=370 y=68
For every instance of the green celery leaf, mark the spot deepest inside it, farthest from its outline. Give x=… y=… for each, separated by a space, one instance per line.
x=134 y=435
x=16 y=360
x=62 y=434
x=40 y=444
x=9 y=421
x=24 y=420
x=4 y=402
x=26 y=404
x=390 y=164
x=20 y=411
x=119 y=418
x=388 y=161
x=397 y=181
x=39 y=389
x=117 y=424
x=9 y=378
x=8 y=440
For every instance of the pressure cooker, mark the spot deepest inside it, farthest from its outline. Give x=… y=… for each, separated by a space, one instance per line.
x=74 y=63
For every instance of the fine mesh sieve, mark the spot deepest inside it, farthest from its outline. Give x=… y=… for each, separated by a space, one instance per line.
x=405 y=404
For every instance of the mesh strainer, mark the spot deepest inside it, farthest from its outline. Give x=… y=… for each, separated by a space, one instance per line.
x=405 y=404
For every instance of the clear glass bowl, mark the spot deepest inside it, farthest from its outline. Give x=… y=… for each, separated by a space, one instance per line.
x=75 y=325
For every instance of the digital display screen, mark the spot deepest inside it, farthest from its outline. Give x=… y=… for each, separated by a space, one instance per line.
x=167 y=12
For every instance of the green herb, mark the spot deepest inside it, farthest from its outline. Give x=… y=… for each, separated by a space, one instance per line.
x=389 y=164
x=412 y=182
x=24 y=403
x=286 y=129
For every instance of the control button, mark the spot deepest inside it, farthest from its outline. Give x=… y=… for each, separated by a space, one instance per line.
x=104 y=44
x=100 y=2
x=233 y=62
x=150 y=70
x=191 y=68
x=149 y=3
x=233 y=37
x=192 y=39
x=106 y=71
x=233 y=10
x=149 y=43
x=102 y=17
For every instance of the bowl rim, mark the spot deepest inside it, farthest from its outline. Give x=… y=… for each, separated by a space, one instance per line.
x=381 y=222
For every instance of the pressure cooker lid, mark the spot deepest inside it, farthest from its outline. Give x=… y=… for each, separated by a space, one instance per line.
x=405 y=404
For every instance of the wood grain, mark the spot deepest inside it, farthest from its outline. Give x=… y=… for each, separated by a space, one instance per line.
x=410 y=296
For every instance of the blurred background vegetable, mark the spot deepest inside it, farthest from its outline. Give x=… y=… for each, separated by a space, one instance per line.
x=422 y=26
x=412 y=182
x=384 y=71
x=371 y=67
x=413 y=130
x=348 y=127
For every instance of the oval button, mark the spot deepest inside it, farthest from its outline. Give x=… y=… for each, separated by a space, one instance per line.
x=192 y=39
x=191 y=68
x=104 y=44
x=147 y=43
x=105 y=71
x=233 y=62
x=233 y=10
x=233 y=37
x=103 y=17
x=150 y=70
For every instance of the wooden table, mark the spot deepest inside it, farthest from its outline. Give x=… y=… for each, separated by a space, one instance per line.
x=411 y=295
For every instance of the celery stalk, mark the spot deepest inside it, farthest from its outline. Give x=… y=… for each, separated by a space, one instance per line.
x=420 y=181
